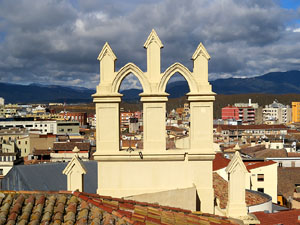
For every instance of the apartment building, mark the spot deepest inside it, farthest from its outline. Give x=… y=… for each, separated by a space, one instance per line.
x=295 y=112
x=125 y=117
x=229 y=133
x=277 y=113
x=244 y=114
x=42 y=126
x=81 y=117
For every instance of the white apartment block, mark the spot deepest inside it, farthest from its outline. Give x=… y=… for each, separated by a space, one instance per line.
x=44 y=126
x=277 y=113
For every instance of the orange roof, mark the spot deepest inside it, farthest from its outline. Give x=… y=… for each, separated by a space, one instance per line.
x=65 y=207
x=220 y=162
x=255 y=165
x=289 y=217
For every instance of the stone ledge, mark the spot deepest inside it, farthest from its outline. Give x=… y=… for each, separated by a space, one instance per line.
x=173 y=155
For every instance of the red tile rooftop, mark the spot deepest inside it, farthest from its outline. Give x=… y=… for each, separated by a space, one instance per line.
x=254 y=165
x=289 y=217
x=220 y=162
x=64 y=207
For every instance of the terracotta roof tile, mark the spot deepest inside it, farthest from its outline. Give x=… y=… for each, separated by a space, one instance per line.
x=220 y=162
x=83 y=208
x=289 y=217
x=259 y=164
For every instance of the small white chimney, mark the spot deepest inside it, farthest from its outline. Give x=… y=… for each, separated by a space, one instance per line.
x=250 y=104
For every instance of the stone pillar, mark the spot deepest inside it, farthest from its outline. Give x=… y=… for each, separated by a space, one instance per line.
x=201 y=123
x=236 y=205
x=154 y=122
x=107 y=123
x=75 y=171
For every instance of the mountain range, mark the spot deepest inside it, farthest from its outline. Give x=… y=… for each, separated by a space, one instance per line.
x=270 y=83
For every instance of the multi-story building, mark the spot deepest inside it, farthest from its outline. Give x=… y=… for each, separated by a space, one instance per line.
x=277 y=113
x=43 y=126
x=244 y=114
x=125 y=118
x=295 y=112
x=230 y=112
x=81 y=117
x=28 y=143
x=231 y=133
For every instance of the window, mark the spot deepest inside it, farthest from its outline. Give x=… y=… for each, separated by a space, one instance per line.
x=69 y=130
x=25 y=142
x=260 y=177
x=1 y=171
x=280 y=164
x=293 y=164
x=260 y=190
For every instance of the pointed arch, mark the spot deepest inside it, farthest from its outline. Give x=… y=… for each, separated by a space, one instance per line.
x=177 y=68
x=135 y=70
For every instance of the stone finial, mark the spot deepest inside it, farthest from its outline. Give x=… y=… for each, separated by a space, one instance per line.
x=76 y=150
x=200 y=58
x=201 y=50
x=106 y=50
x=153 y=37
x=153 y=46
x=236 y=205
x=237 y=147
x=75 y=171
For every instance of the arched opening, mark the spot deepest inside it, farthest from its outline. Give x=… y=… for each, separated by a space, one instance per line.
x=131 y=113
x=178 y=114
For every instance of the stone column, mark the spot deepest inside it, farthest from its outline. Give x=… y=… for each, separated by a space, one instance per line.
x=107 y=123
x=236 y=205
x=201 y=123
x=154 y=122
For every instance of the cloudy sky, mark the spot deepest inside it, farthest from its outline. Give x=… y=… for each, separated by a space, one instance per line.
x=58 y=41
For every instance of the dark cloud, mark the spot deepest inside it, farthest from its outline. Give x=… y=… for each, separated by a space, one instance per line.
x=57 y=42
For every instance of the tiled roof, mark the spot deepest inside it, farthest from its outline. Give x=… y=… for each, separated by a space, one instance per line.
x=82 y=208
x=289 y=217
x=220 y=162
x=265 y=153
x=221 y=192
x=69 y=146
x=287 y=178
x=251 y=127
x=293 y=154
x=254 y=165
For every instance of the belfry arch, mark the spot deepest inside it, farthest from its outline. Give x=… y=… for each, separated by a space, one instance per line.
x=183 y=71
x=130 y=68
x=162 y=169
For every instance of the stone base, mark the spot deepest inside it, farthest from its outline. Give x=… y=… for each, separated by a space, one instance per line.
x=128 y=174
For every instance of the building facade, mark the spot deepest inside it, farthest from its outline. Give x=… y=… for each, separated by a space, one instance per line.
x=295 y=112
x=277 y=113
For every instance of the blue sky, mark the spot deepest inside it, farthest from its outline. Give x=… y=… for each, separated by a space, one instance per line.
x=58 y=41
x=290 y=4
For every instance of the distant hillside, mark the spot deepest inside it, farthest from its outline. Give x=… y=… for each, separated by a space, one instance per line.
x=271 y=83
x=35 y=93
